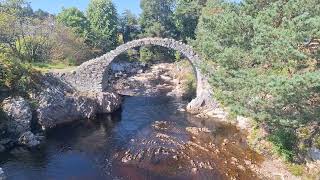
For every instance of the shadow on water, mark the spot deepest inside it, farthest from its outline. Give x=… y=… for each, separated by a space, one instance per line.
x=91 y=149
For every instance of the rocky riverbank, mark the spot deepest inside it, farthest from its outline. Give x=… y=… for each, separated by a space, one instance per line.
x=53 y=102
x=50 y=103
x=168 y=79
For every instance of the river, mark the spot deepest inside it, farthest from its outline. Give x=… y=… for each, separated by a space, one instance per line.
x=148 y=138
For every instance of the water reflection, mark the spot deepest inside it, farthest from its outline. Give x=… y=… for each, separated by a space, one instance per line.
x=92 y=149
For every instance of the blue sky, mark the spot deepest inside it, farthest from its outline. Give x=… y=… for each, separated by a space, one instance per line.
x=54 y=6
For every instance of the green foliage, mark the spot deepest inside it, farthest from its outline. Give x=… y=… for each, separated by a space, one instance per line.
x=34 y=49
x=157 y=18
x=40 y=14
x=191 y=86
x=128 y=25
x=296 y=169
x=74 y=18
x=103 y=19
x=186 y=17
x=23 y=36
x=284 y=141
x=16 y=76
x=262 y=63
x=146 y=55
x=19 y=8
x=177 y=56
x=68 y=47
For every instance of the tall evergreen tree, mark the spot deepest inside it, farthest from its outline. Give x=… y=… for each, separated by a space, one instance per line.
x=157 y=18
x=102 y=15
x=128 y=26
x=186 y=17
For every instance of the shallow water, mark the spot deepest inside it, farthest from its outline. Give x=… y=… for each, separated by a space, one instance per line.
x=98 y=149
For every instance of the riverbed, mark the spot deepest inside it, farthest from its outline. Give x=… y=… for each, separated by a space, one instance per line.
x=148 y=138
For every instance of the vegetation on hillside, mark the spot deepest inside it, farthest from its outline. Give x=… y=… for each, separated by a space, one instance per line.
x=263 y=62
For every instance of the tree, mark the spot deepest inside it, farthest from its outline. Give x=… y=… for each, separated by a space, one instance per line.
x=68 y=47
x=41 y=14
x=75 y=19
x=19 y=8
x=128 y=26
x=157 y=18
x=263 y=64
x=186 y=17
x=103 y=19
x=16 y=24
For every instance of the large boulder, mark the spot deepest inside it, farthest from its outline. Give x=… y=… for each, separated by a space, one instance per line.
x=60 y=103
x=20 y=115
x=107 y=102
x=314 y=154
x=29 y=139
x=57 y=107
x=128 y=68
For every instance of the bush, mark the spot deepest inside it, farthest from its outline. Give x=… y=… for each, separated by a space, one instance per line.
x=146 y=55
x=263 y=65
x=177 y=56
x=284 y=141
x=34 y=49
x=67 y=47
x=16 y=76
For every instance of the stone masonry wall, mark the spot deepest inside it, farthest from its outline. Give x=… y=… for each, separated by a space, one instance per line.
x=93 y=74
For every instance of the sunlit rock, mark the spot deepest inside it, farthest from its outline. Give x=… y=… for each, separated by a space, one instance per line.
x=20 y=115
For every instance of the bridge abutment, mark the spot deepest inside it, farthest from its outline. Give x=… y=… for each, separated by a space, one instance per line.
x=94 y=75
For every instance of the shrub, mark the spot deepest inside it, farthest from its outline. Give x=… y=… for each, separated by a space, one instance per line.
x=145 y=55
x=284 y=141
x=34 y=49
x=16 y=76
x=263 y=65
x=177 y=56
x=67 y=47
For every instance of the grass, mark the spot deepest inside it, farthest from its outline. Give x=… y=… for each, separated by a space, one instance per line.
x=295 y=169
x=45 y=67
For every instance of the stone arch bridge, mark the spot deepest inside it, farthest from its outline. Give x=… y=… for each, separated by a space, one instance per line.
x=93 y=74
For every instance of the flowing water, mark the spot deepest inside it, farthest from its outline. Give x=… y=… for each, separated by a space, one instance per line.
x=149 y=138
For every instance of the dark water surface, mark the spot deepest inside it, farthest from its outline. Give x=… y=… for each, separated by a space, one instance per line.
x=94 y=149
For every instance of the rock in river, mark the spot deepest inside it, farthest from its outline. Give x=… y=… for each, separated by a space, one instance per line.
x=29 y=139
x=60 y=103
x=20 y=115
x=107 y=102
x=2 y=175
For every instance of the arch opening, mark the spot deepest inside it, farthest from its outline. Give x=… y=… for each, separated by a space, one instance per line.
x=93 y=74
x=106 y=74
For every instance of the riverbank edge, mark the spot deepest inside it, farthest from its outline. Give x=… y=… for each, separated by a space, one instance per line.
x=25 y=118
x=257 y=138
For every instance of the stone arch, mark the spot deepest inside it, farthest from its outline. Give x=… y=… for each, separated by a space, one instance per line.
x=93 y=74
